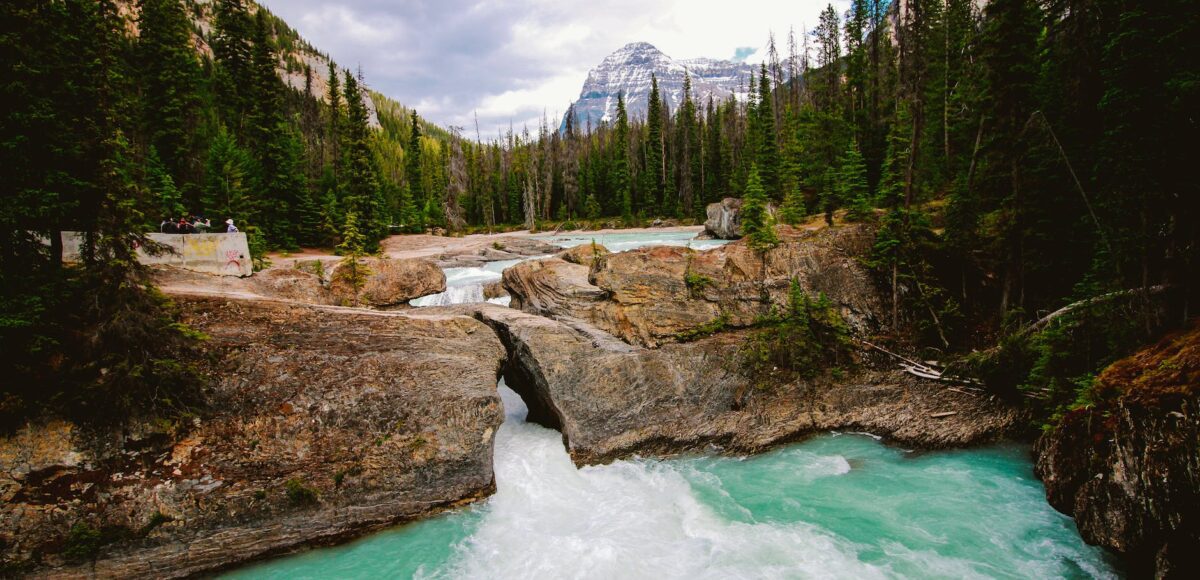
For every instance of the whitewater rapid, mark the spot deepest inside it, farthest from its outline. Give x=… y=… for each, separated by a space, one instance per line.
x=836 y=506
x=465 y=285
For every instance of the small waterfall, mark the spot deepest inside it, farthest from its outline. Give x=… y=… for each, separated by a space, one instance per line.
x=453 y=295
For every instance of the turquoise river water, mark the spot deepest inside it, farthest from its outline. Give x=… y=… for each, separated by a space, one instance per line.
x=835 y=506
x=840 y=505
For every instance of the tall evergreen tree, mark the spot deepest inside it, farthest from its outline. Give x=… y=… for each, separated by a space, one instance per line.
x=358 y=182
x=170 y=78
x=655 y=169
x=233 y=51
x=757 y=224
x=621 y=170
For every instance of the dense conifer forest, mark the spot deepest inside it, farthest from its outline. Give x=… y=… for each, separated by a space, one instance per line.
x=1016 y=158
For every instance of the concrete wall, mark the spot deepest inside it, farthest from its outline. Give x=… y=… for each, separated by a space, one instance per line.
x=218 y=254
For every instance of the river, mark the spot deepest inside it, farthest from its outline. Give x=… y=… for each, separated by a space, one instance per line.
x=841 y=505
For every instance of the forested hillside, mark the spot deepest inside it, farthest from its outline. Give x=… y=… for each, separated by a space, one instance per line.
x=119 y=115
x=1017 y=157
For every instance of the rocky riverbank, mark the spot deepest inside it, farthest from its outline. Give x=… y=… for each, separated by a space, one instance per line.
x=325 y=423
x=1127 y=466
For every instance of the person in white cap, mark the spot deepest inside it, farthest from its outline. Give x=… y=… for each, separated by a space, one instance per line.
x=230 y=228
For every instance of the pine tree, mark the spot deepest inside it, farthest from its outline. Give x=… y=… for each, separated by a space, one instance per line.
x=852 y=185
x=1008 y=53
x=412 y=172
x=233 y=50
x=168 y=201
x=655 y=170
x=767 y=153
x=333 y=132
x=358 y=182
x=352 y=271
x=792 y=212
x=688 y=144
x=715 y=173
x=621 y=170
x=228 y=176
x=757 y=224
x=170 y=77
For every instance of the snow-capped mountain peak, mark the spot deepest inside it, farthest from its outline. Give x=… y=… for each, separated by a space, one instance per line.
x=629 y=69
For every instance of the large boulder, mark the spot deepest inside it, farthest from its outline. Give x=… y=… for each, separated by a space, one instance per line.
x=725 y=219
x=584 y=254
x=650 y=296
x=324 y=423
x=611 y=400
x=389 y=282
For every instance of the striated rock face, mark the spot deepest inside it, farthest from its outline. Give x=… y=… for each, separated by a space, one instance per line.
x=291 y=284
x=391 y=282
x=651 y=295
x=1128 y=468
x=612 y=400
x=375 y=417
x=551 y=286
x=725 y=219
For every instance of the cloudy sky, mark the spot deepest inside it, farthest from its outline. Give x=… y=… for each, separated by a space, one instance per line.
x=515 y=59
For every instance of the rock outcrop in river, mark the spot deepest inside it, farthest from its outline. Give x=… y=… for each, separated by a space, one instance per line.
x=1128 y=466
x=651 y=295
x=324 y=423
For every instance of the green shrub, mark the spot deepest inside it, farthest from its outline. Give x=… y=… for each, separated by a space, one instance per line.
x=299 y=493
x=709 y=328
x=808 y=339
x=83 y=543
x=696 y=283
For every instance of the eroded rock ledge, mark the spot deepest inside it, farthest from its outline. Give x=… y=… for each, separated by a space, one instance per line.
x=377 y=417
x=612 y=400
x=1128 y=468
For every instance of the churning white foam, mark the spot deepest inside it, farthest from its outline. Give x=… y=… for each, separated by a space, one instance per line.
x=630 y=519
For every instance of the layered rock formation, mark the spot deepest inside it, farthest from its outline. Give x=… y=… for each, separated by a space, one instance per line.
x=651 y=295
x=612 y=400
x=1128 y=467
x=324 y=423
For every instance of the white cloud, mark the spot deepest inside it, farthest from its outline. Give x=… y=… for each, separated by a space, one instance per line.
x=512 y=60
